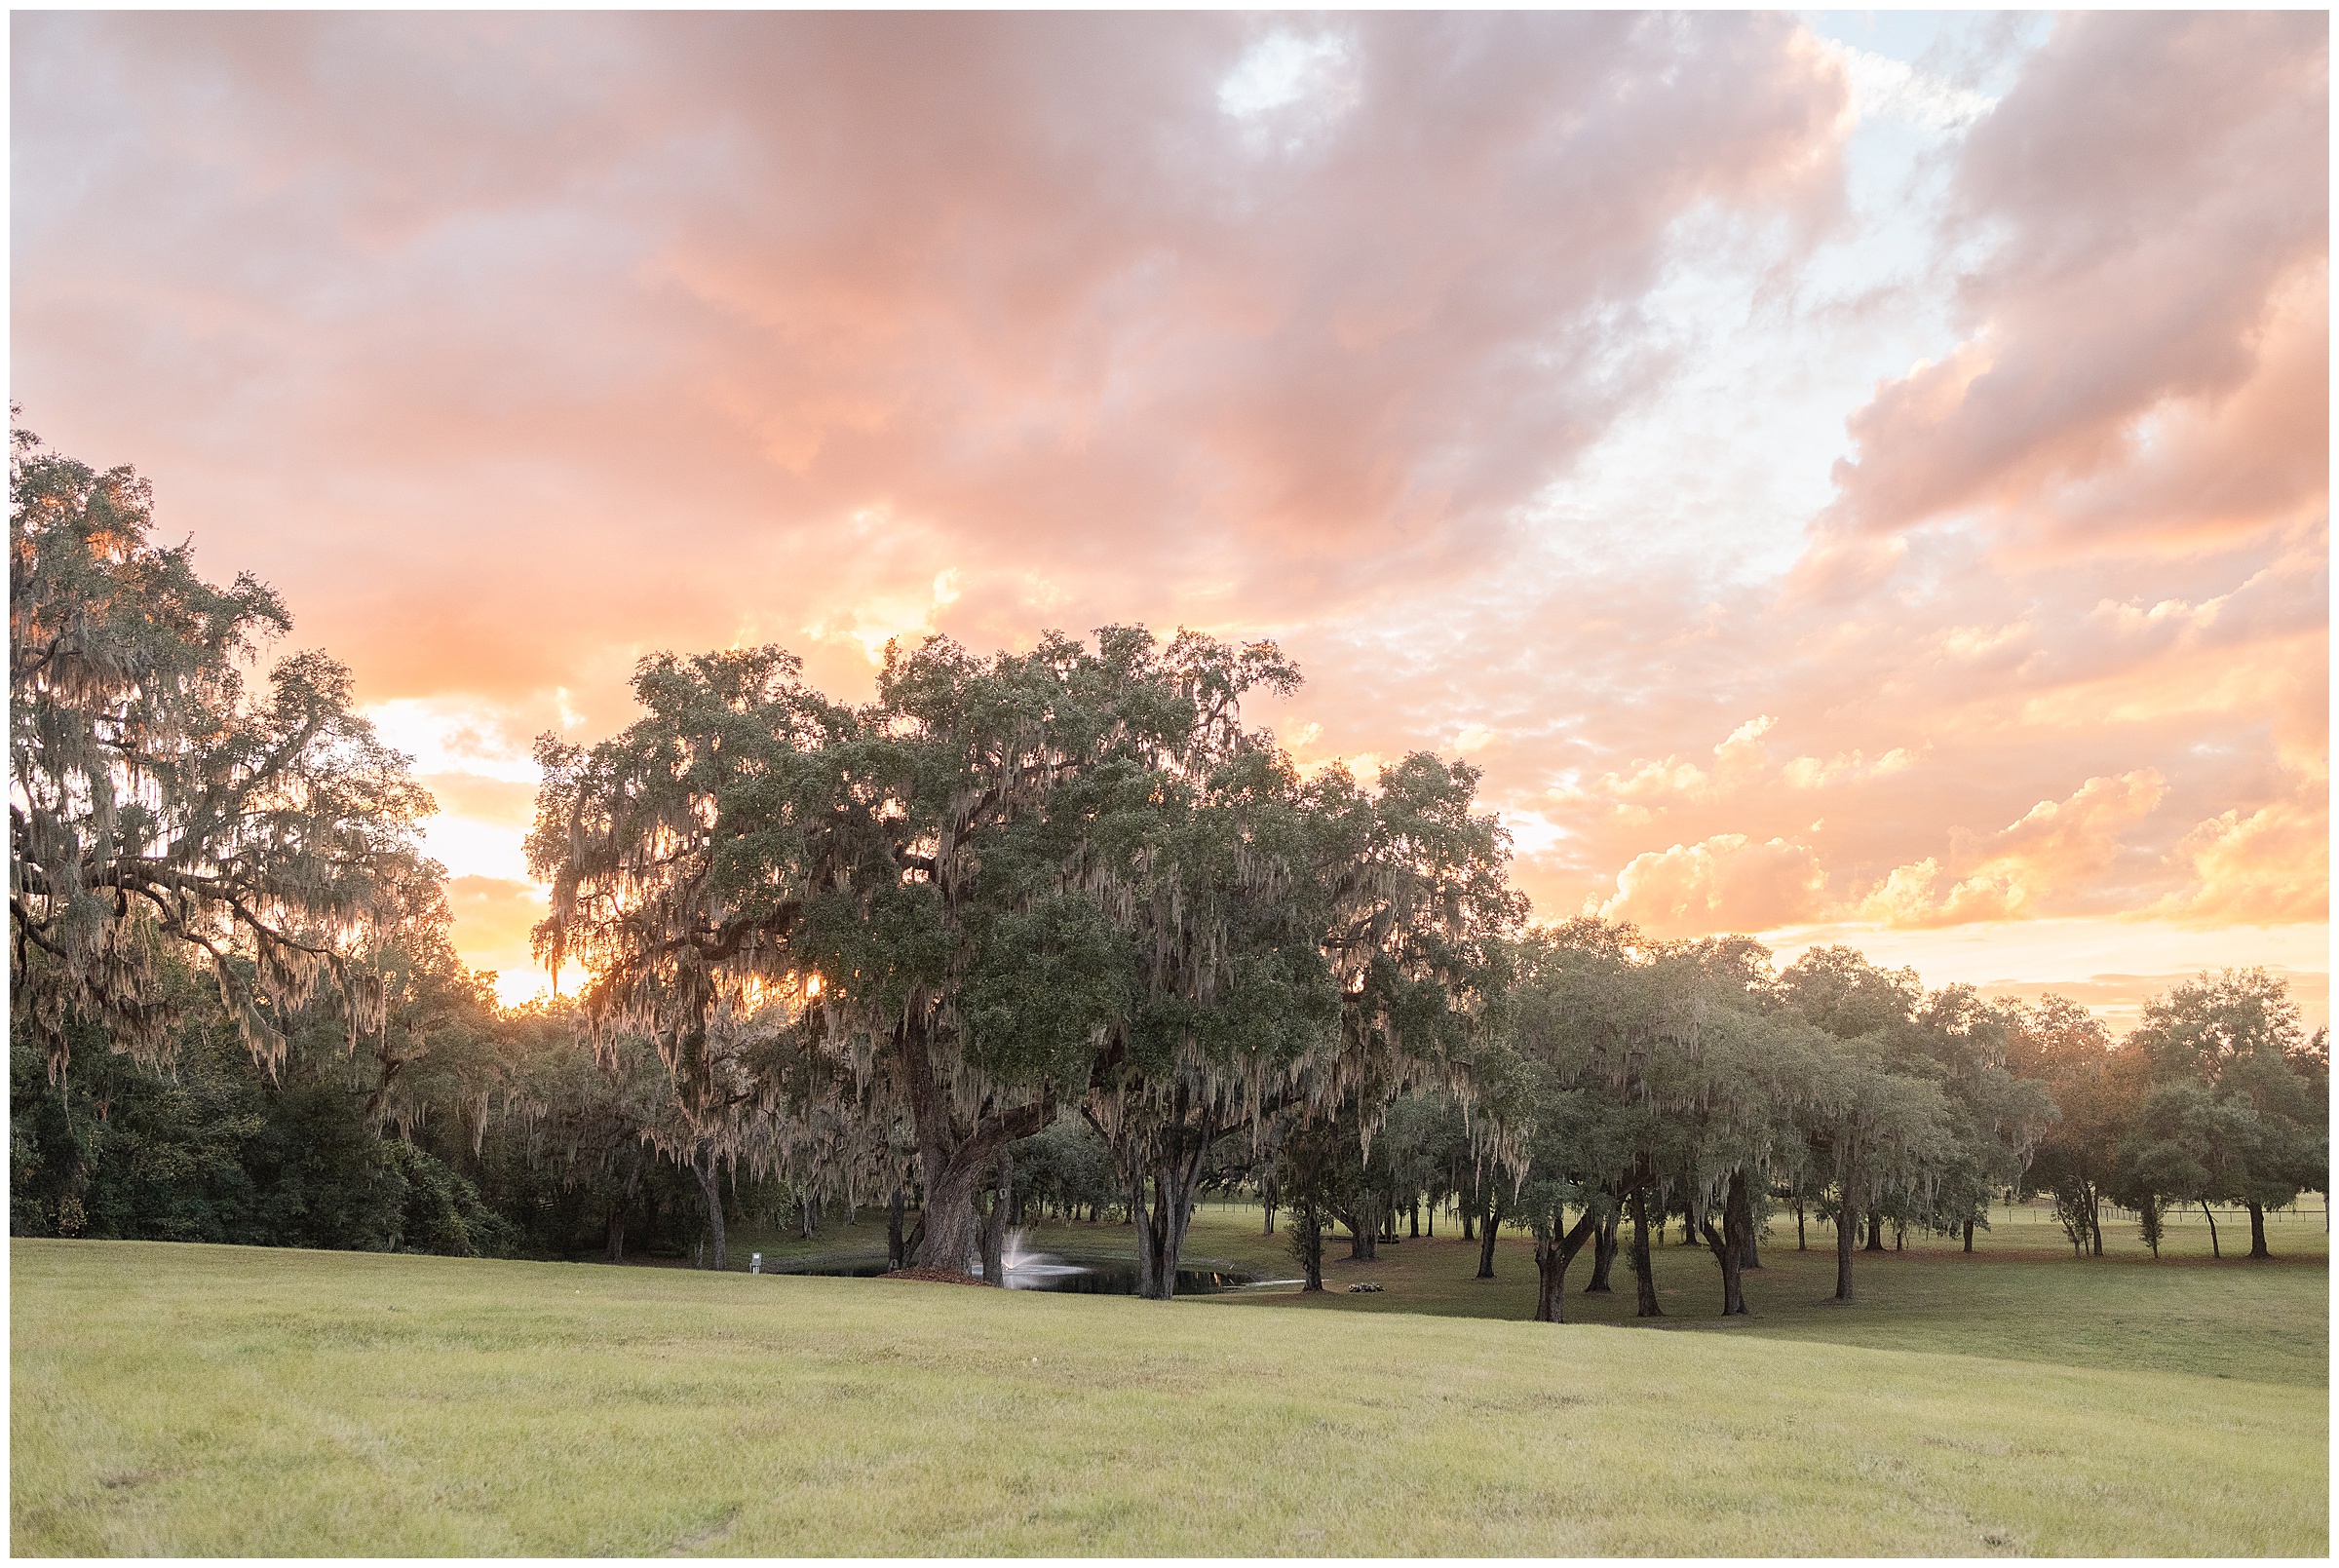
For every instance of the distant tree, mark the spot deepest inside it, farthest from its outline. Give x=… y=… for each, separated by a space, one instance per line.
x=1838 y=990
x=2060 y=1044
x=1634 y=1068
x=2264 y=1131
x=1961 y=1043
x=1882 y=1134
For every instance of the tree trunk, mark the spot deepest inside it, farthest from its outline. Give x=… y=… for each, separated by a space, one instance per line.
x=994 y=1225
x=1728 y=1245
x=1875 y=1229
x=1175 y=1175
x=1311 y=1247
x=1494 y=1220
x=1847 y=1228
x=1800 y=1245
x=1604 y=1256
x=1969 y=1235
x=896 y=1256
x=2213 y=1219
x=2096 y=1220
x=2257 y=1232
x=1644 y=1272
x=1270 y=1195
x=1553 y=1254
x=711 y=1183
x=1363 y=1226
x=953 y=1239
x=1749 y=1256
x=1470 y=1219
x=954 y=1161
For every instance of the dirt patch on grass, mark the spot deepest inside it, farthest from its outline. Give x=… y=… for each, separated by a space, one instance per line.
x=932 y=1276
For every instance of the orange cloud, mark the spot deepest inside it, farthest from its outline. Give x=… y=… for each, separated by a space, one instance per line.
x=494 y=918
x=1725 y=883
x=2270 y=865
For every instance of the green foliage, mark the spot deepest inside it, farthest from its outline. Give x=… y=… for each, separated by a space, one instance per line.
x=207 y=1148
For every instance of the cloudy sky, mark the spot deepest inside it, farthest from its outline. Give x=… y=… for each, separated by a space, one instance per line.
x=1844 y=478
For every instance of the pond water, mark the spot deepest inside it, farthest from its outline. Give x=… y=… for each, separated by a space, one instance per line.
x=1043 y=1271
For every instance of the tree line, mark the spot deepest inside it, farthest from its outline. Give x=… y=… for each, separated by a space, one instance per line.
x=1055 y=927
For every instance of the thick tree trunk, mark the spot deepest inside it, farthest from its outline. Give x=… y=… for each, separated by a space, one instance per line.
x=1270 y=1198
x=1413 y=1220
x=1847 y=1229
x=2257 y=1232
x=1644 y=1274
x=1969 y=1235
x=1494 y=1220
x=1800 y=1245
x=1553 y=1254
x=711 y=1183
x=1470 y=1219
x=896 y=1256
x=1875 y=1229
x=1604 y=1256
x=1749 y=1256
x=953 y=1239
x=2213 y=1219
x=955 y=1162
x=2096 y=1220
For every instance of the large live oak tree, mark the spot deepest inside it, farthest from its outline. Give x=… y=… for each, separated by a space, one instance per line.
x=156 y=801
x=1067 y=877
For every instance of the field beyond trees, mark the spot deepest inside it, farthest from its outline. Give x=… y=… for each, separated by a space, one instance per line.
x=187 y=1400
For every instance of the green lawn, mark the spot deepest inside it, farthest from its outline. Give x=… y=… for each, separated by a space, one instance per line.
x=177 y=1400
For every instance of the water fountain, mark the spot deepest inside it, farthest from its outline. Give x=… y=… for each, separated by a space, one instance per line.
x=1034 y=1271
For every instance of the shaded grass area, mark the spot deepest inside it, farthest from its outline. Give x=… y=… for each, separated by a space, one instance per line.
x=197 y=1400
x=2019 y=1296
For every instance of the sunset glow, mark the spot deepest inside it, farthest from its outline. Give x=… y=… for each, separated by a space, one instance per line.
x=1852 y=480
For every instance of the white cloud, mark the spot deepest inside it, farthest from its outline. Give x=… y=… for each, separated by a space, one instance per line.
x=1283 y=68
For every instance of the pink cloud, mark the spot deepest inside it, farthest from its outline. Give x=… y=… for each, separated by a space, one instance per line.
x=2158 y=187
x=511 y=348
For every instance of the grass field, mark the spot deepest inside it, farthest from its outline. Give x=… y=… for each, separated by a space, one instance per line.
x=175 y=1399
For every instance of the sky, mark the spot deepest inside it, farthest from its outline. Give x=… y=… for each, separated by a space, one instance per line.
x=1846 y=478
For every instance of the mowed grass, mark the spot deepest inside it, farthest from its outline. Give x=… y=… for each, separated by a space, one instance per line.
x=2019 y=1296
x=179 y=1399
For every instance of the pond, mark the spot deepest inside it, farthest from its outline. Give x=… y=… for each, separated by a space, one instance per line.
x=1043 y=1271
